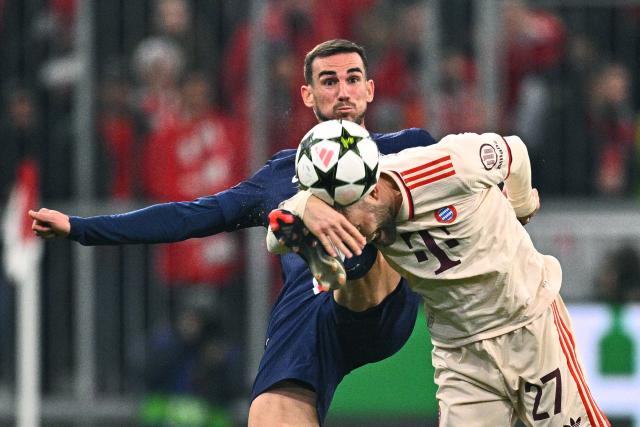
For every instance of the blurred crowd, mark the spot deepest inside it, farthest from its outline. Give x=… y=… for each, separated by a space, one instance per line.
x=172 y=105
x=172 y=95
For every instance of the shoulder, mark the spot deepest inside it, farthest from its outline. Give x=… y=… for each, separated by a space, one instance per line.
x=406 y=138
x=283 y=155
x=282 y=160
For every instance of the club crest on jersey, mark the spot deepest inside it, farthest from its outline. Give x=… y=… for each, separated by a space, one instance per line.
x=446 y=215
x=488 y=156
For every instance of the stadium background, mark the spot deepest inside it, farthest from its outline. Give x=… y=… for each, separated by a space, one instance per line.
x=124 y=103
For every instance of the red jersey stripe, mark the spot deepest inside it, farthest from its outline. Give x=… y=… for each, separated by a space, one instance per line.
x=429 y=172
x=580 y=373
x=564 y=345
x=425 y=166
x=600 y=417
x=432 y=179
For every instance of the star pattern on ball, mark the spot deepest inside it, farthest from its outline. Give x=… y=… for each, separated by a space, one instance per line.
x=326 y=180
x=350 y=176
x=348 y=142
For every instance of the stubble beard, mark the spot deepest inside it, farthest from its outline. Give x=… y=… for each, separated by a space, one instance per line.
x=388 y=231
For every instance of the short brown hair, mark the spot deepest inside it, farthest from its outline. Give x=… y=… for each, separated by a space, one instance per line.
x=329 y=48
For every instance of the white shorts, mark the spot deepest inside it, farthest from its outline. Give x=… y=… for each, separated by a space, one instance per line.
x=532 y=374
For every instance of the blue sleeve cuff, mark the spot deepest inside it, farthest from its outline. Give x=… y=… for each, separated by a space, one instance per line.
x=358 y=266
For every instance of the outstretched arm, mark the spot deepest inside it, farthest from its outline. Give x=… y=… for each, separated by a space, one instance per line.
x=238 y=207
x=524 y=199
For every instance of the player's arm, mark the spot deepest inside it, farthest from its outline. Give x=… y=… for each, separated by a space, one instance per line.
x=489 y=159
x=522 y=196
x=239 y=207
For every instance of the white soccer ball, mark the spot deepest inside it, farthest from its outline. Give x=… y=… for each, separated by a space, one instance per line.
x=338 y=162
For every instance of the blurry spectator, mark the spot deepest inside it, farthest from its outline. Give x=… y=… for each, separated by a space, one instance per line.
x=54 y=30
x=612 y=131
x=396 y=31
x=462 y=110
x=159 y=64
x=219 y=366
x=562 y=165
x=618 y=279
x=387 y=65
x=535 y=44
x=173 y=353
x=119 y=134
x=174 y=21
x=192 y=372
x=201 y=152
x=22 y=135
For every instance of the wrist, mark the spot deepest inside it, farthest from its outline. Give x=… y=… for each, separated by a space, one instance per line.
x=298 y=203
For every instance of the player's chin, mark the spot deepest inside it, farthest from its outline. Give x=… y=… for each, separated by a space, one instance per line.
x=348 y=114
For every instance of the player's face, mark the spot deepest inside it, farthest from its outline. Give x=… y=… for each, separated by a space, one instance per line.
x=374 y=220
x=339 y=89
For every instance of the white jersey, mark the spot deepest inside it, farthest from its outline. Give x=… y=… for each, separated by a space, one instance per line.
x=459 y=242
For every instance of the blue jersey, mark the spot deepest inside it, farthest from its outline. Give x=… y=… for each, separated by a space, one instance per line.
x=310 y=338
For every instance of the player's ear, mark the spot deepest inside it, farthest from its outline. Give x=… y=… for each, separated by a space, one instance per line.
x=374 y=195
x=370 y=90
x=307 y=95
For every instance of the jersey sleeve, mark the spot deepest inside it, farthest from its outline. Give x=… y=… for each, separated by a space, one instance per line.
x=479 y=161
x=460 y=165
x=239 y=207
x=489 y=159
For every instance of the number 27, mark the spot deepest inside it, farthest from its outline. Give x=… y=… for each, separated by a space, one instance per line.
x=557 y=406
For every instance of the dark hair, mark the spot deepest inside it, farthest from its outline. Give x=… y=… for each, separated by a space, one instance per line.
x=329 y=48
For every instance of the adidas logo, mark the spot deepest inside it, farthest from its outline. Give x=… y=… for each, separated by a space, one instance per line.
x=574 y=423
x=325 y=156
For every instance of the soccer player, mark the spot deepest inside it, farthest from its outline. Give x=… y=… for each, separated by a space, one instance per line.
x=314 y=338
x=503 y=343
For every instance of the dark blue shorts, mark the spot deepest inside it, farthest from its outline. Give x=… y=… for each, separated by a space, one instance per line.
x=314 y=341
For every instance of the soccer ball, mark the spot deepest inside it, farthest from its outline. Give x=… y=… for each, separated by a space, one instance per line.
x=338 y=162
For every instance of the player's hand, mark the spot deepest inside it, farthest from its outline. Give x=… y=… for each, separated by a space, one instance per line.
x=49 y=224
x=536 y=199
x=332 y=229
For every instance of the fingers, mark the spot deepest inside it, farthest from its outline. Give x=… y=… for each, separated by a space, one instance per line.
x=348 y=239
x=333 y=230
x=338 y=233
x=48 y=223
x=328 y=246
x=42 y=215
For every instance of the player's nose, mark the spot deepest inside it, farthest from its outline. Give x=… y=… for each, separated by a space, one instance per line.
x=343 y=91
